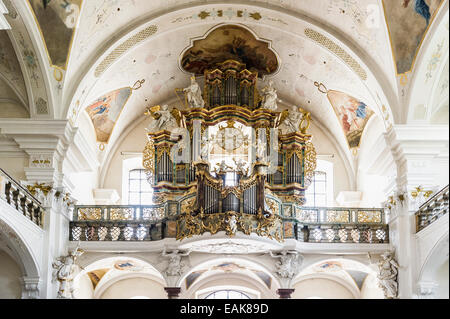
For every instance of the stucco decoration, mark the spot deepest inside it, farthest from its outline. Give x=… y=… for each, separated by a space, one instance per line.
x=57 y=23
x=230 y=42
x=408 y=22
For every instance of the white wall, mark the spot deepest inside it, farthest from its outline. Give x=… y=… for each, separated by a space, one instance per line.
x=128 y=288
x=10 y=277
x=322 y=288
x=442 y=280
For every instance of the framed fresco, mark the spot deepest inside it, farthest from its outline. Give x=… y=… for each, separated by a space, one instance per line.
x=352 y=114
x=105 y=111
x=230 y=42
x=408 y=22
x=57 y=20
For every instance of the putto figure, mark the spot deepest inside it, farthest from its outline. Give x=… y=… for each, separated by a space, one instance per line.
x=194 y=94
x=270 y=97
x=162 y=119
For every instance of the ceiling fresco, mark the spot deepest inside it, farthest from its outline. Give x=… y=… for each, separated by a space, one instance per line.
x=408 y=21
x=105 y=111
x=352 y=114
x=57 y=23
x=230 y=42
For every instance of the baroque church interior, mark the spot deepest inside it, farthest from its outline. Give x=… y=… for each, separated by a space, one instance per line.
x=257 y=149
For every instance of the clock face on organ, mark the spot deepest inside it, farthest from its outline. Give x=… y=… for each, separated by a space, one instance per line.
x=230 y=138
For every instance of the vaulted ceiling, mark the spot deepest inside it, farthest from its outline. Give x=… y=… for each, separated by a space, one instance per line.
x=75 y=52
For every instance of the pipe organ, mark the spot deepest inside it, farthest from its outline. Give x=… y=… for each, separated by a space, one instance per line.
x=219 y=160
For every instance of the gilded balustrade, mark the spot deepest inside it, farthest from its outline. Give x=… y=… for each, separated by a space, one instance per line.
x=433 y=209
x=174 y=220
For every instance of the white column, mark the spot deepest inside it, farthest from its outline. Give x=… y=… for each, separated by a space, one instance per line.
x=419 y=153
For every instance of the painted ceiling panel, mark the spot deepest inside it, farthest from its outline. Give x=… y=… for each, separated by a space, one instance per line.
x=353 y=115
x=105 y=111
x=408 y=22
x=57 y=23
x=10 y=68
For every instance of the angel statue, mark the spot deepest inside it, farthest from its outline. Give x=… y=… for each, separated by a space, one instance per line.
x=194 y=94
x=232 y=225
x=387 y=275
x=289 y=263
x=162 y=119
x=222 y=167
x=63 y=271
x=240 y=166
x=270 y=97
x=291 y=121
x=175 y=265
x=260 y=147
x=206 y=148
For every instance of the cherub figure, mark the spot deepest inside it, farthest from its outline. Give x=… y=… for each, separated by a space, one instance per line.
x=240 y=166
x=162 y=120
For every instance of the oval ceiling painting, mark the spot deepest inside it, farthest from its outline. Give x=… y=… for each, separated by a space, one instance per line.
x=230 y=42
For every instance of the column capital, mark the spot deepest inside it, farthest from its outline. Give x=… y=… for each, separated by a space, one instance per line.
x=427 y=289
x=30 y=287
x=173 y=292
x=285 y=293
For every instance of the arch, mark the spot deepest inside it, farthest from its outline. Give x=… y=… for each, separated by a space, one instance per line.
x=244 y=264
x=354 y=291
x=21 y=250
x=437 y=256
x=140 y=268
x=419 y=92
x=375 y=73
x=344 y=271
x=241 y=272
x=103 y=287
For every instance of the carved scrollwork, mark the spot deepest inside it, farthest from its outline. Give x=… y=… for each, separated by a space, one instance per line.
x=266 y=226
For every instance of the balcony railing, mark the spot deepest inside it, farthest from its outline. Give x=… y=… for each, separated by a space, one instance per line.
x=338 y=224
x=433 y=209
x=20 y=198
x=156 y=222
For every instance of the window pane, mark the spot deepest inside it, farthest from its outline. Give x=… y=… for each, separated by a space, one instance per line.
x=145 y=186
x=321 y=188
x=135 y=186
x=321 y=200
x=134 y=198
x=135 y=174
x=146 y=198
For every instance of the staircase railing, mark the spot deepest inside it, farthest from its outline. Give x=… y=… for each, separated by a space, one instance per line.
x=432 y=209
x=20 y=198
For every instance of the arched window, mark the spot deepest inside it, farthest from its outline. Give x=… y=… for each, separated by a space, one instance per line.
x=316 y=194
x=139 y=190
x=227 y=294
